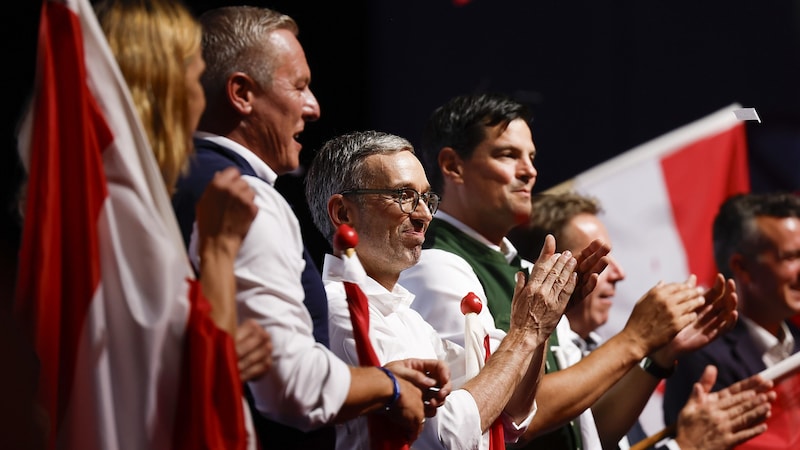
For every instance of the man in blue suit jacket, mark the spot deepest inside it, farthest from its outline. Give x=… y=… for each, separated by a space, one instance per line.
x=757 y=243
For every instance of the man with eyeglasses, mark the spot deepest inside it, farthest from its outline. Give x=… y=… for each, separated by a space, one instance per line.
x=258 y=103
x=407 y=198
x=374 y=183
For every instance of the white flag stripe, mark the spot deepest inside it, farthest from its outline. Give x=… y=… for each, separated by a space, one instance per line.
x=747 y=114
x=648 y=252
x=782 y=368
x=474 y=334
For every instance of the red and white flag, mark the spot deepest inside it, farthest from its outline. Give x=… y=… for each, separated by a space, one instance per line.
x=782 y=431
x=660 y=200
x=129 y=358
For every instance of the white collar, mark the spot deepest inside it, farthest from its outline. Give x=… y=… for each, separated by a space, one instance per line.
x=506 y=247
x=772 y=349
x=337 y=269
x=261 y=168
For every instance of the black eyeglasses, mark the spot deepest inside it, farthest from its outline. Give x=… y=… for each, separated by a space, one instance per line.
x=407 y=198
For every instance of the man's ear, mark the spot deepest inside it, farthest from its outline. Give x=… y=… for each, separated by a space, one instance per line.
x=239 y=90
x=739 y=267
x=340 y=210
x=451 y=165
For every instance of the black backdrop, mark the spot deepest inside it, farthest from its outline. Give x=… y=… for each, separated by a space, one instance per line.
x=600 y=77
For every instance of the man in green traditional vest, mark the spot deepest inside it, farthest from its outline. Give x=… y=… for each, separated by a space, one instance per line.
x=478 y=151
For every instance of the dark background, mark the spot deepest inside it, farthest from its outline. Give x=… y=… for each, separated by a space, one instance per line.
x=599 y=77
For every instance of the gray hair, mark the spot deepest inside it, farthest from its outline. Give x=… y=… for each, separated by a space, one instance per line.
x=235 y=40
x=339 y=166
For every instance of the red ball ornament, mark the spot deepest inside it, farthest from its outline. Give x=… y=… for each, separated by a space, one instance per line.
x=471 y=304
x=345 y=237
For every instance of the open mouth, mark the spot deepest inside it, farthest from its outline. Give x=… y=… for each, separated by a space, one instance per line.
x=607 y=296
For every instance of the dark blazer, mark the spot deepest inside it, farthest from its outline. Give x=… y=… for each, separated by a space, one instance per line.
x=736 y=356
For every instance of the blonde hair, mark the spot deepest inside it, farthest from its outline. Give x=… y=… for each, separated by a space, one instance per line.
x=153 y=42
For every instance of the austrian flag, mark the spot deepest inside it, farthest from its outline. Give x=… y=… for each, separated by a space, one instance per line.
x=659 y=201
x=105 y=287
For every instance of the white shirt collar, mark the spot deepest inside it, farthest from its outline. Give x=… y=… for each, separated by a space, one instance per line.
x=259 y=166
x=773 y=351
x=387 y=302
x=506 y=247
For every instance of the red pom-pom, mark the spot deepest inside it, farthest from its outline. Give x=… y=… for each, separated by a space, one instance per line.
x=471 y=304
x=345 y=237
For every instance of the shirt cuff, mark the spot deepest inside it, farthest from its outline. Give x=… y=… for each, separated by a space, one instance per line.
x=512 y=430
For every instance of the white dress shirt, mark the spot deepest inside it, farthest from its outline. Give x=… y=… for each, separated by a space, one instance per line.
x=398 y=332
x=307 y=384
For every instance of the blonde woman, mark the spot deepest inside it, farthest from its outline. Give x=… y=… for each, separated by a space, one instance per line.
x=157 y=46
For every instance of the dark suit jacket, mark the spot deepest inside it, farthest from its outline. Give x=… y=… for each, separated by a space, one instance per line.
x=736 y=356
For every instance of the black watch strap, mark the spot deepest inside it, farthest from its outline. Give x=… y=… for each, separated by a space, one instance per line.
x=650 y=366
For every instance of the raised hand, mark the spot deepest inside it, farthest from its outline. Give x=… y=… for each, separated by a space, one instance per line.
x=717 y=316
x=591 y=262
x=224 y=214
x=662 y=312
x=539 y=303
x=254 y=350
x=226 y=209
x=724 y=419
x=409 y=411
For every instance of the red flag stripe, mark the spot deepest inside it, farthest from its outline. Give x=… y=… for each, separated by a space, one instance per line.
x=694 y=207
x=496 y=434
x=382 y=434
x=68 y=135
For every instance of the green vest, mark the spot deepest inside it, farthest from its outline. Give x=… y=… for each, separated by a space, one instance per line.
x=497 y=278
x=494 y=272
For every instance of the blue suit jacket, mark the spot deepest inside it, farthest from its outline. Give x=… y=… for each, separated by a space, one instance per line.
x=736 y=356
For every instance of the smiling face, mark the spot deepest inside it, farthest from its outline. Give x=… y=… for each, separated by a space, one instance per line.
x=496 y=181
x=592 y=312
x=282 y=109
x=389 y=240
x=770 y=280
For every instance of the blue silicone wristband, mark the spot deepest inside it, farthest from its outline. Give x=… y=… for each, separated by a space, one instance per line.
x=396 y=387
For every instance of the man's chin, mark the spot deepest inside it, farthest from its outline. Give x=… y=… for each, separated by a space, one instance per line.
x=521 y=217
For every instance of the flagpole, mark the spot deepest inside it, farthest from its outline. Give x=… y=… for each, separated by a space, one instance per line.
x=652 y=440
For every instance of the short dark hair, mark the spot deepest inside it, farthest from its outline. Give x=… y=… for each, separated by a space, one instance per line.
x=461 y=124
x=735 y=229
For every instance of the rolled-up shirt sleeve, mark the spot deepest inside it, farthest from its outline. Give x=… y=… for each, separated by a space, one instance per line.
x=307 y=384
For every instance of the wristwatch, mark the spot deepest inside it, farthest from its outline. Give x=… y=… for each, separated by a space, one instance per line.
x=650 y=366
